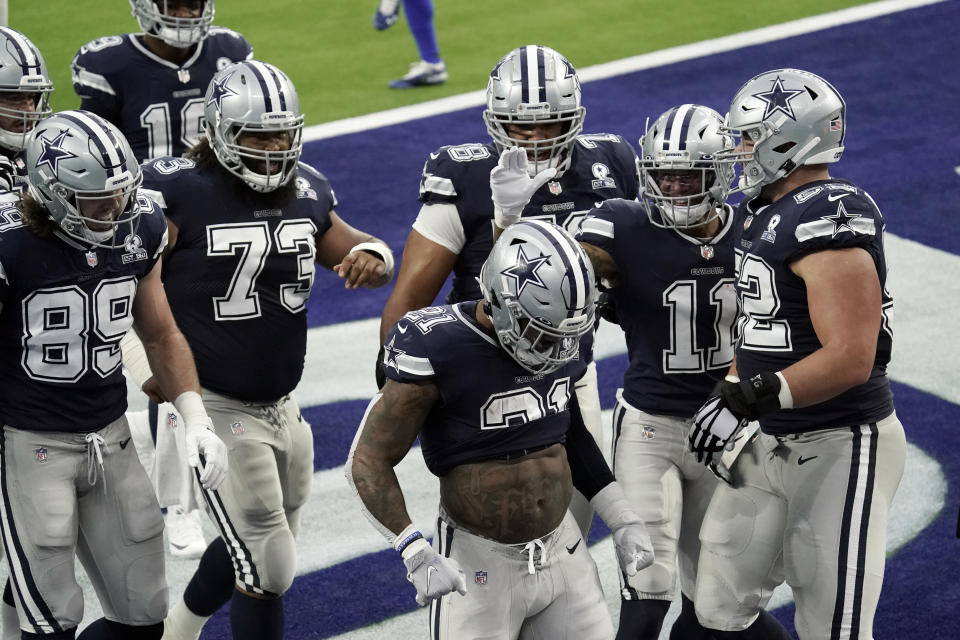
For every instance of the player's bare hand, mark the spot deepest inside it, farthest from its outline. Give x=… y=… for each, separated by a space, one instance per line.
x=152 y=388
x=361 y=269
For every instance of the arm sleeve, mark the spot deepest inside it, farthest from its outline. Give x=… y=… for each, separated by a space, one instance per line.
x=587 y=466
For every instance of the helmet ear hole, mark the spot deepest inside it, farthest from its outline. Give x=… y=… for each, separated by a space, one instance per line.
x=786 y=146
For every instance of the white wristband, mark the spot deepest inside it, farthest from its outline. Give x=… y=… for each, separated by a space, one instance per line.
x=612 y=506
x=505 y=219
x=731 y=378
x=785 y=397
x=382 y=250
x=135 y=358
x=191 y=408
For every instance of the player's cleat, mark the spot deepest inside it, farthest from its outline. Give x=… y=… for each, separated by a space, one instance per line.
x=386 y=15
x=422 y=74
x=185 y=533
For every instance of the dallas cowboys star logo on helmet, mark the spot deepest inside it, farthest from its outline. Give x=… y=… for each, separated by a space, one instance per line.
x=841 y=220
x=525 y=271
x=778 y=99
x=52 y=153
x=221 y=91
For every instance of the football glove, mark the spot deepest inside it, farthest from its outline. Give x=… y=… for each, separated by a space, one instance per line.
x=630 y=537
x=207 y=452
x=512 y=187
x=7 y=173
x=432 y=575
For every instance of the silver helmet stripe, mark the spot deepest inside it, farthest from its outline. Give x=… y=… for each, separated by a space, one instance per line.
x=28 y=55
x=572 y=261
x=108 y=146
x=268 y=83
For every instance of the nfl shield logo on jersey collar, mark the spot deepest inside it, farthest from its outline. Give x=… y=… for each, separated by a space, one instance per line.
x=91 y=258
x=555 y=187
x=706 y=250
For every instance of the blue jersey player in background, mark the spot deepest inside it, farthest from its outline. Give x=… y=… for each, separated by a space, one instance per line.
x=487 y=386
x=151 y=84
x=430 y=68
x=79 y=266
x=533 y=102
x=669 y=263
x=813 y=492
x=244 y=212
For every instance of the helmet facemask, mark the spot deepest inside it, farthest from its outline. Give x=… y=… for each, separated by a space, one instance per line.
x=154 y=18
x=552 y=152
x=261 y=169
x=25 y=88
x=18 y=120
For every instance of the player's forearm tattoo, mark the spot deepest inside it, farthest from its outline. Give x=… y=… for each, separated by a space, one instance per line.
x=388 y=433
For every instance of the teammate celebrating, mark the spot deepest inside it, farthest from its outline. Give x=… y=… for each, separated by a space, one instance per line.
x=247 y=214
x=487 y=387
x=151 y=84
x=813 y=346
x=669 y=262
x=533 y=103
x=82 y=490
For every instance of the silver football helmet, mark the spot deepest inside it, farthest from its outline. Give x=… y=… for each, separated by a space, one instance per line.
x=792 y=117
x=83 y=171
x=254 y=97
x=154 y=17
x=25 y=89
x=540 y=291
x=535 y=85
x=679 y=170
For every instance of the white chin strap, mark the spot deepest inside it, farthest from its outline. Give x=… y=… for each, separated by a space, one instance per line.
x=687 y=216
x=175 y=37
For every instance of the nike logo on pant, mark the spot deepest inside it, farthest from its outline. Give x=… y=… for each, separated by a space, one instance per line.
x=570 y=550
x=802 y=460
x=123 y=443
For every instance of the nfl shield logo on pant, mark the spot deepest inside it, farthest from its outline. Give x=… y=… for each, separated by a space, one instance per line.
x=480 y=577
x=41 y=454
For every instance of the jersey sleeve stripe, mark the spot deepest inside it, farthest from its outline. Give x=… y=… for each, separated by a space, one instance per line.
x=598 y=227
x=439 y=186
x=821 y=228
x=96 y=81
x=413 y=365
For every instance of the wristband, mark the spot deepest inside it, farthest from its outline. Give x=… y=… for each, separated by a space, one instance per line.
x=612 y=506
x=190 y=406
x=731 y=378
x=380 y=250
x=785 y=397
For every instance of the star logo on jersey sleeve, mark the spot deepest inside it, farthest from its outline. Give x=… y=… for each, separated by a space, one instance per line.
x=52 y=153
x=841 y=220
x=778 y=99
x=221 y=91
x=525 y=271
x=390 y=355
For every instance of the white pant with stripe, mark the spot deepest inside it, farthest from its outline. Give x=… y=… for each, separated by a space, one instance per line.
x=812 y=509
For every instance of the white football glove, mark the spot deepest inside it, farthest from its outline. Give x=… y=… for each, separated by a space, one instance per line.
x=713 y=427
x=630 y=537
x=431 y=574
x=512 y=187
x=202 y=441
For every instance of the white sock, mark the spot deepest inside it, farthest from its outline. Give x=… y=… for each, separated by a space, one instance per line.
x=183 y=624
x=388 y=7
x=11 y=624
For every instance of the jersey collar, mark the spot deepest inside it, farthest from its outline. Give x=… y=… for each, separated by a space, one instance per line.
x=139 y=46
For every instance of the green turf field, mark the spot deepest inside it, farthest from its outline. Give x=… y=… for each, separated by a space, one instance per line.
x=341 y=65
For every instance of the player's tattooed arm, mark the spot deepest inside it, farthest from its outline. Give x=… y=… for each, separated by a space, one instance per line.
x=603 y=263
x=386 y=436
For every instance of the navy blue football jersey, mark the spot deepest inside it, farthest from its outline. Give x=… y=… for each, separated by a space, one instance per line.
x=774 y=329
x=240 y=271
x=158 y=105
x=602 y=166
x=65 y=309
x=676 y=303
x=491 y=406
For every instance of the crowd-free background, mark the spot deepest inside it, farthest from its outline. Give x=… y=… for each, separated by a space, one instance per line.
x=893 y=61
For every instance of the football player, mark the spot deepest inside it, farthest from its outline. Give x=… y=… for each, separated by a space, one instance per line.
x=487 y=386
x=533 y=103
x=71 y=483
x=246 y=213
x=25 y=88
x=430 y=68
x=668 y=260
x=151 y=85
x=813 y=343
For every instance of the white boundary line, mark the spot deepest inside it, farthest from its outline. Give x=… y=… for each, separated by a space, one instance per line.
x=620 y=67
